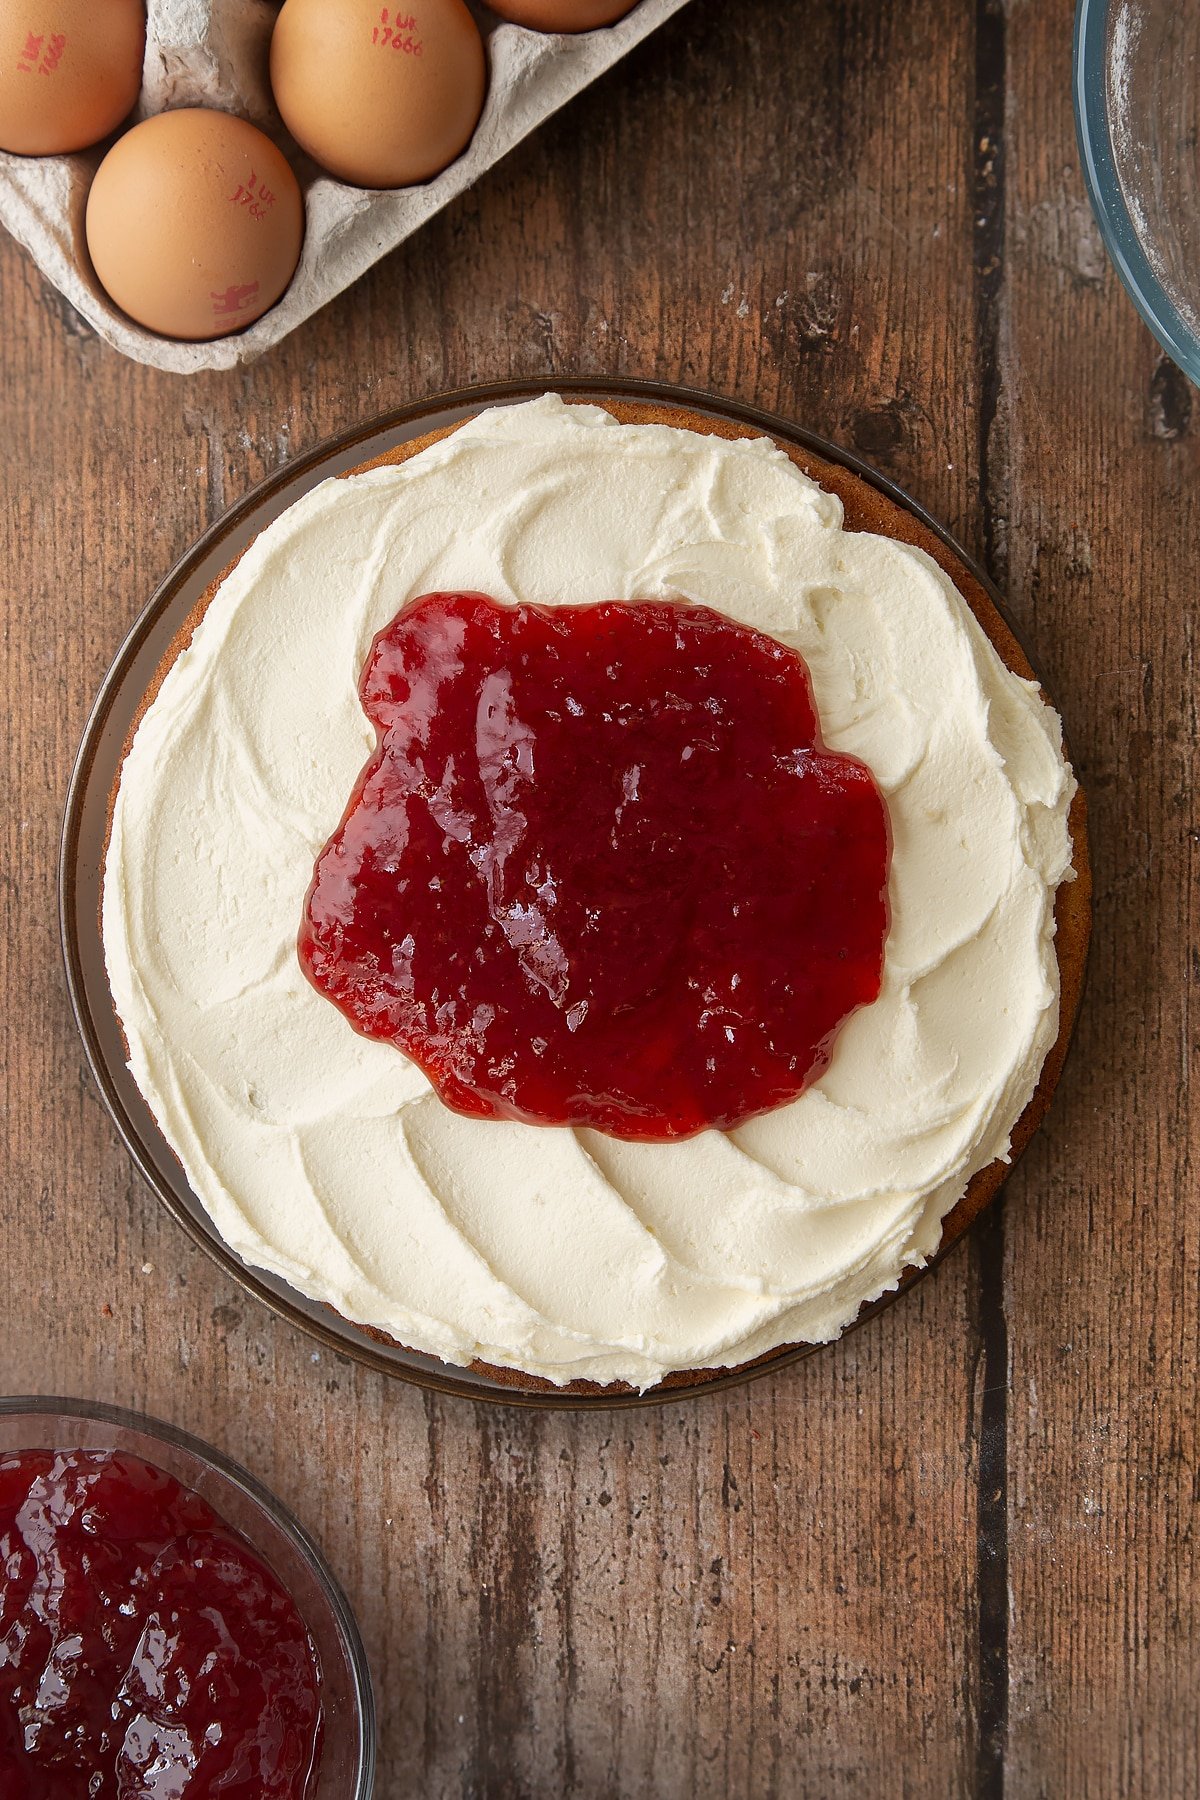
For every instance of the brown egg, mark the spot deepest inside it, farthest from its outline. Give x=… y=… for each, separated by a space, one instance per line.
x=562 y=15
x=194 y=223
x=381 y=96
x=70 y=70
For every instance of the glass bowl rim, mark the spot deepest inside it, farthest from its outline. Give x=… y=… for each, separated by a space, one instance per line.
x=145 y=1425
x=1089 y=86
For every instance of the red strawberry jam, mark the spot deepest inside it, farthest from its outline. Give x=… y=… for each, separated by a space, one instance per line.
x=145 y=1651
x=601 y=869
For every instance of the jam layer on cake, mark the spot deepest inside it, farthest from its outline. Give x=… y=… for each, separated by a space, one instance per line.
x=601 y=869
x=144 y=1648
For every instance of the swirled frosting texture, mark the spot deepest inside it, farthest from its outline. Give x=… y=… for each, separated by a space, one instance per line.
x=326 y=1157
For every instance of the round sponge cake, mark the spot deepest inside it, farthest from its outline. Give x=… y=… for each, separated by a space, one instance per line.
x=866 y=509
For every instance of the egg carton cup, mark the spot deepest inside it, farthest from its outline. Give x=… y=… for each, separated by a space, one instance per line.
x=214 y=53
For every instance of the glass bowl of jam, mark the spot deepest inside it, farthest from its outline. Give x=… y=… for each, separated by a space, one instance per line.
x=166 y=1627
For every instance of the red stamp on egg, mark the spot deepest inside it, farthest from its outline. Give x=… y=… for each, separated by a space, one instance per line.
x=396 y=30
x=54 y=50
x=235 y=299
x=30 y=56
x=42 y=53
x=254 y=195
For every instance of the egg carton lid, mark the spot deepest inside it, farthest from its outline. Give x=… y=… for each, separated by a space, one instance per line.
x=214 y=53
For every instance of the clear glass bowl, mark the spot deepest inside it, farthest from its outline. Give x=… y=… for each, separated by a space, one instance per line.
x=1137 y=111
x=347 y=1765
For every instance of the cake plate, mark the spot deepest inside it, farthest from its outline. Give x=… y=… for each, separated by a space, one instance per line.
x=86 y=821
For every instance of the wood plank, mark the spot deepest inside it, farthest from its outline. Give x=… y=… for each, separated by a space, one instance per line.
x=1102 y=1247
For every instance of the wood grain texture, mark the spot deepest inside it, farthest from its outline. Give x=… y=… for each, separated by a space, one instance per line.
x=955 y=1554
x=1102 y=1411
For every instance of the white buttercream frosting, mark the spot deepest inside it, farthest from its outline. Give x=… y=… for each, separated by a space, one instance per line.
x=326 y=1157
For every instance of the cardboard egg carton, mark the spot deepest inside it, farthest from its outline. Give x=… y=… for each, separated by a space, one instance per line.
x=214 y=53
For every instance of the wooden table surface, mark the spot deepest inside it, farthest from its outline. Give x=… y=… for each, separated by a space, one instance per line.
x=957 y=1553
